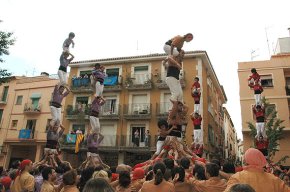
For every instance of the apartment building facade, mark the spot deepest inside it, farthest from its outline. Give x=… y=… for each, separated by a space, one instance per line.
x=136 y=98
x=275 y=79
x=25 y=112
x=230 y=136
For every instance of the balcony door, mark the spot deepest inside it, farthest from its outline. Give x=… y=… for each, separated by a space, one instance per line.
x=30 y=125
x=110 y=107
x=139 y=104
x=141 y=74
x=109 y=131
x=135 y=141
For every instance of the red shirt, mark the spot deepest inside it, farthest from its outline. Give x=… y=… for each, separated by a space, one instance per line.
x=260 y=113
x=196 y=121
x=254 y=76
x=262 y=144
x=258 y=87
x=196 y=85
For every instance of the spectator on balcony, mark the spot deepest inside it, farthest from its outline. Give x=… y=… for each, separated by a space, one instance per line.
x=55 y=106
x=62 y=70
x=79 y=131
x=24 y=181
x=94 y=114
x=74 y=80
x=136 y=138
x=147 y=136
x=172 y=77
x=85 y=80
x=259 y=112
x=98 y=75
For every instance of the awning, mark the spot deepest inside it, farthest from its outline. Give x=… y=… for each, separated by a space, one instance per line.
x=35 y=95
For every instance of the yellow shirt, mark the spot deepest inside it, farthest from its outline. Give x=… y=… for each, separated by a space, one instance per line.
x=24 y=181
x=213 y=184
x=47 y=187
x=149 y=186
x=69 y=188
x=260 y=181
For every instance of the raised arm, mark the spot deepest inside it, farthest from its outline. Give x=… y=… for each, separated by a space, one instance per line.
x=101 y=137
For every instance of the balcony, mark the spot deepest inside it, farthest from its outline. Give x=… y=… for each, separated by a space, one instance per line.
x=24 y=135
x=81 y=85
x=82 y=112
x=31 y=109
x=78 y=112
x=113 y=84
x=161 y=77
x=112 y=143
x=138 y=82
x=137 y=111
x=4 y=99
x=162 y=110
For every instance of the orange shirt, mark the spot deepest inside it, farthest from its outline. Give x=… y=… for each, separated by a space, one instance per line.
x=213 y=184
x=260 y=181
x=183 y=187
x=178 y=41
x=149 y=186
x=24 y=181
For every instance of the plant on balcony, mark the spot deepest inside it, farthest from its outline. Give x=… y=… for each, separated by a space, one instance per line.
x=69 y=110
x=274 y=131
x=129 y=81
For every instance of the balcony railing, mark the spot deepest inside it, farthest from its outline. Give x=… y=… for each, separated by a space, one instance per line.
x=113 y=84
x=137 y=111
x=14 y=135
x=161 y=80
x=138 y=81
x=82 y=111
x=3 y=100
x=81 y=85
x=30 y=108
x=110 y=142
x=162 y=109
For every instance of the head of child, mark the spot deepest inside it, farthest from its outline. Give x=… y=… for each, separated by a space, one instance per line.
x=196 y=115
x=196 y=79
x=253 y=70
x=257 y=82
x=180 y=106
x=258 y=107
x=65 y=54
x=260 y=138
x=71 y=35
x=97 y=66
x=102 y=68
x=188 y=37
x=55 y=127
x=95 y=136
x=162 y=124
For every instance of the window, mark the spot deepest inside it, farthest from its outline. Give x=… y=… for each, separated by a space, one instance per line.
x=113 y=76
x=5 y=93
x=30 y=125
x=19 y=100
x=83 y=73
x=141 y=74
x=14 y=124
x=110 y=107
x=140 y=104
x=141 y=130
x=82 y=127
x=210 y=134
x=1 y=114
x=82 y=100
x=266 y=81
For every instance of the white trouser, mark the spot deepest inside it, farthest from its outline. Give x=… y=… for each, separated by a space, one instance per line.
x=159 y=146
x=257 y=99
x=167 y=49
x=261 y=130
x=172 y=138
x=50 y=151
x=99 y=89
x=65 y=49
x=56 y=115
x=198 y=137
x=175 y=88
x=62 y=76
x=95 y=124
x=196 y=108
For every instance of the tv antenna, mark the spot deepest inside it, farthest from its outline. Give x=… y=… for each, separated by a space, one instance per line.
x=266 y=29
x=254 y=54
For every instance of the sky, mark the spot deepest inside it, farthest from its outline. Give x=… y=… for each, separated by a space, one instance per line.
x=227 y=30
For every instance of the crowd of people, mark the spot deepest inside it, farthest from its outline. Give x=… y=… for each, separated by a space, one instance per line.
x=167 y=174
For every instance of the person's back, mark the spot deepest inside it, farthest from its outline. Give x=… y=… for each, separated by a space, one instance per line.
x=149 y=186
x=183 y=187
x=260 y=181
